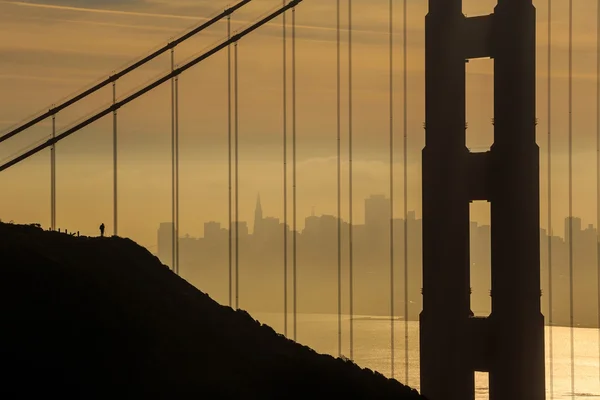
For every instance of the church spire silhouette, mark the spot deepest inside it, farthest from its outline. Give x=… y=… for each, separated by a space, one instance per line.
x=258 y=216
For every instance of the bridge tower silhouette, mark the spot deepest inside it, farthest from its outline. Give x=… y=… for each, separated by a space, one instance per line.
x=509 y=343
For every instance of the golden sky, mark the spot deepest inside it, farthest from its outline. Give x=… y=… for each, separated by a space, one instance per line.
x=50 y=49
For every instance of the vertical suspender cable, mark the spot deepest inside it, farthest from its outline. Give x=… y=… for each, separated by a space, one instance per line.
x=405 y=117
x=177 y=171
x=339 y=184
x=571 y=317
x=115 y=174
x=229 y=228
x=550 y=233
x=598 y=163
x=294 y=227
x=53 y=177
x=391 y=93
x=237 y=208
x=285 y=223
x=350 y=178
x=174 y=228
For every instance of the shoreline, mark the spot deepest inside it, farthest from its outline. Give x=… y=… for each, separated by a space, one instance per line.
x=400 y=318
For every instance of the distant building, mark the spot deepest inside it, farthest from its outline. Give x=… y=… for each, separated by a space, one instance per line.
x=270 y=227
x=212 y=230
x=242 y=228
x=328 y=226
x=165 y=243
x=258 y=217
x=576 y=227
x=311 y=225
x=377 y=211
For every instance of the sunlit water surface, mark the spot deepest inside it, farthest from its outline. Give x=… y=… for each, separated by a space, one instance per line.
x=372 y=350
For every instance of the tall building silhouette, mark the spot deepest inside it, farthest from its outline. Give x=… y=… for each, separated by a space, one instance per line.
x=575 y=225
x=377 y=211
x=240 y=228
x=509 y=344
x=258 y=216
x=212 y=230
x=165 y=242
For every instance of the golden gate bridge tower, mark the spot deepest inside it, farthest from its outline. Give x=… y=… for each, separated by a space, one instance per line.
x=509 y=343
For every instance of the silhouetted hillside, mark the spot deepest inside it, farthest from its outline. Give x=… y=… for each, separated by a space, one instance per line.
x=96 y=317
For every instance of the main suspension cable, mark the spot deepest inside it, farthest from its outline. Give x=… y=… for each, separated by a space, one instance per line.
x=391 y=94
x=147 y=88
x=115 y=76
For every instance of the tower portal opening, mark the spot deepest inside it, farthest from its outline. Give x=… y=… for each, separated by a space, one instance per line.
x=482 y=385
x=473 y=8
x=480 y=104
x=481 y=259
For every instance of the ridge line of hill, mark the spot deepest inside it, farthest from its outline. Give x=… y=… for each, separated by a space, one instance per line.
x=91 y=317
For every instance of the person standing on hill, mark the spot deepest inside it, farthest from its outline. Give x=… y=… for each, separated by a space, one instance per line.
x=102 y=230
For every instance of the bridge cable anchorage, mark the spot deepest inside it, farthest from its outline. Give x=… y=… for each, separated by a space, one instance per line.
x=237 y=186
x=571 y=272
x=115 y=169
x=148 y=88
x=598 y=165
x=285 y=200
x=229 y=172
x=350 y=182
x=550 y=266
x=174 y=232
x=53 y=177
x=294 y=197
x=339 y=181
x=405 y=168
x=391 y=110
x=114 y=77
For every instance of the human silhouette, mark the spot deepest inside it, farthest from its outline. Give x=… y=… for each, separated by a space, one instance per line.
x=102 y=230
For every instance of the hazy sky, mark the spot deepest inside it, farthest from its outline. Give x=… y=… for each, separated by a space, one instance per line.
x=50 y=49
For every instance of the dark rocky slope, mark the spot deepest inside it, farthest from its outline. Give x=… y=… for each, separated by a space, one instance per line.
x=98 y=317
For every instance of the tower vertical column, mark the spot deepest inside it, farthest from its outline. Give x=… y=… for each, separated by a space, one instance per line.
x=518 y=368
x=445 y=366
x=510 y=343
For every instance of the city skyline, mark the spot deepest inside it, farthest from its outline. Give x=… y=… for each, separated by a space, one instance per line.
x=204 y=262
x=561 y=231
